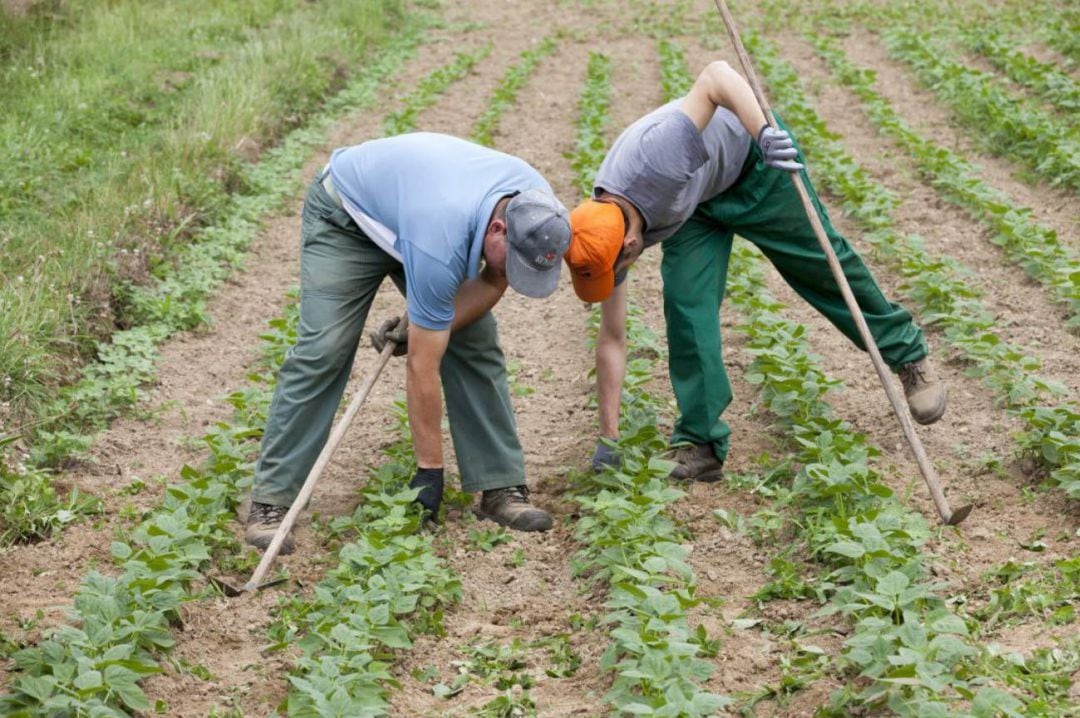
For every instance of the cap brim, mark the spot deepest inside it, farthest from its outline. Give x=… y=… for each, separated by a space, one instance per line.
x=593 y=289
x=529 y=281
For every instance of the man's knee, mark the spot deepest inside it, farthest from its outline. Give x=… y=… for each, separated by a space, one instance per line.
x=327 y=350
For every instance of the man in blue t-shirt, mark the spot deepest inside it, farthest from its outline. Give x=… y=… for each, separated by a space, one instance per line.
x=452 y=224
x=690 y=175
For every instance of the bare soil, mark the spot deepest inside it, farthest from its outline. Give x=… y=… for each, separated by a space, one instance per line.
x=541 y=598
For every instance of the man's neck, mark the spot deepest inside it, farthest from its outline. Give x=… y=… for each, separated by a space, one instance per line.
x=634 y=221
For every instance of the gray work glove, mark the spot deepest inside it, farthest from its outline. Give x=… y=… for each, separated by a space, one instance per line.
x=604 y=457
x=778 y=149
x=388 y=332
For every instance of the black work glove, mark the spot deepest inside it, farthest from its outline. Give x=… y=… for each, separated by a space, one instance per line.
x=604 y=457
x=388 y=331
x=430 y=483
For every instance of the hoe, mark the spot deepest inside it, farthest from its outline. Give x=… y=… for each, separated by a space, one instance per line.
x=948 y=516
x=255 y=582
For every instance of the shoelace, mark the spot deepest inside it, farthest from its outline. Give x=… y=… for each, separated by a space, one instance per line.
x=273 y=513
x=911 y=375
x=517 y=495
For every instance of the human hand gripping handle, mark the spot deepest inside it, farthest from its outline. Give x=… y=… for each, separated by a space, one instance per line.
x=778 y=149
x=391 y=331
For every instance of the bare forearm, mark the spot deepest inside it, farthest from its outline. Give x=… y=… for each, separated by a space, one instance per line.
x=611 y=360
x=423 y=389
x=477 y=296
x=610 y=372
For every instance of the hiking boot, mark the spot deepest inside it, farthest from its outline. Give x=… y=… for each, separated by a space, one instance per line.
x=262 y=525
x=925 y=392
x=511 y=507
x=696 y=462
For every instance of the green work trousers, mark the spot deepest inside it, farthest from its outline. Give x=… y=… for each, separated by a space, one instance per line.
x=763 y=207
x=340 y=271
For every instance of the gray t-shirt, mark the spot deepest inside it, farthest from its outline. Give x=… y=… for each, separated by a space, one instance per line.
x=667 y=168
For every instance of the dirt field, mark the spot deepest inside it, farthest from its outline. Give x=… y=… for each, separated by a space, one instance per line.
x=538 y=598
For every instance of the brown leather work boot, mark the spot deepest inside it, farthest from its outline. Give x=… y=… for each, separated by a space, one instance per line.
x=262 y=525
x=925 y=392
x=510 y=507
x=696 y=462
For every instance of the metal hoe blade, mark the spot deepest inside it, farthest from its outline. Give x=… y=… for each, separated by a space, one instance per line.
x=232 y=591
x=959 y=515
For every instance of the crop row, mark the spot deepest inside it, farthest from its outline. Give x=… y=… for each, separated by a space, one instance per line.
x=939 y=285
x=593 y=118
x=505 y=94
x=388 y=585
x=1053 y=23
x=1033 y=246
x=1056 y=87
x=92 y=665
x=1001 y=123
x=629 y=541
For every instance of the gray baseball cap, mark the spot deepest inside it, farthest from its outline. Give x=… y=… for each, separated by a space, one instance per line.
x=538 y=234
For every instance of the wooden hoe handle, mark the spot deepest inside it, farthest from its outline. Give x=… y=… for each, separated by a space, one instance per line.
x=906 y=423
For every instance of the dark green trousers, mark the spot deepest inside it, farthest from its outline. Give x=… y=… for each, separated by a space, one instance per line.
x=764 y=208
x=340 y=271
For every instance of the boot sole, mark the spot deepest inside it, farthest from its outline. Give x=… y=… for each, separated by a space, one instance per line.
x=710 y=477
x=287 y=546
x=540 y=524
x=707 y=477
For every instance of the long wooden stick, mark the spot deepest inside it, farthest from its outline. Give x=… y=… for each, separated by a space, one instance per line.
x=320 y=465
x=899 y=408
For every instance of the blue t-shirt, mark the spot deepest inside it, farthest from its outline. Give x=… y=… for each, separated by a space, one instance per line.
x=435 y=193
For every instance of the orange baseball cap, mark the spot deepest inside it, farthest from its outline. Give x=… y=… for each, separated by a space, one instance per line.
x=597 y=237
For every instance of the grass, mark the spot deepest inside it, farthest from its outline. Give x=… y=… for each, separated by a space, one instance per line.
x=126 y=127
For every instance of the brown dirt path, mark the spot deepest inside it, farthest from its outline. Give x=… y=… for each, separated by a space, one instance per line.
x=542 y=341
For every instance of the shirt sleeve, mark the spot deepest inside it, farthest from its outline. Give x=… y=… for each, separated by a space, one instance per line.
x=432 y=287
x=674 y=147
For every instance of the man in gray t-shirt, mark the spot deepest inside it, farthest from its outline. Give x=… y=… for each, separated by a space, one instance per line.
x=690 y=175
